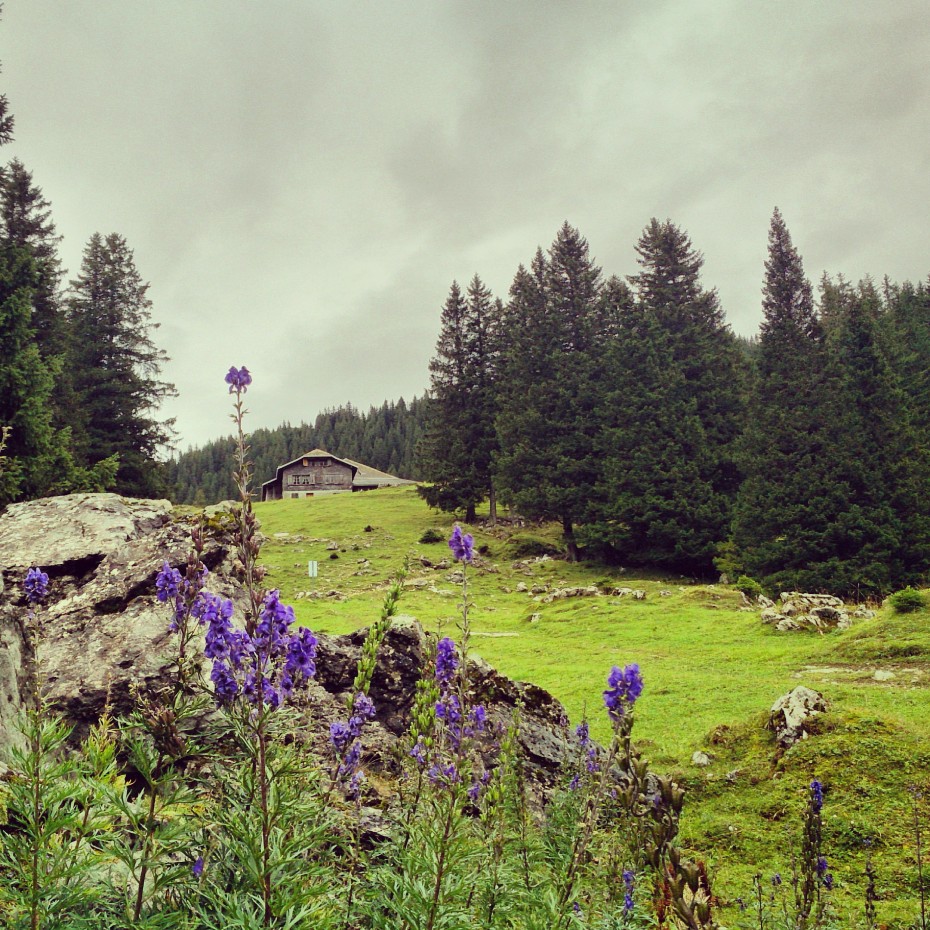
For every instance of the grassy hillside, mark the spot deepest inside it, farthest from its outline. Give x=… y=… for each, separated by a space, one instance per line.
x=712 y=671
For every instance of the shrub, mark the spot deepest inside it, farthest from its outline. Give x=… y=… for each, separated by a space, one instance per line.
x=749 y=586
x=432 y=536
x=907 y=600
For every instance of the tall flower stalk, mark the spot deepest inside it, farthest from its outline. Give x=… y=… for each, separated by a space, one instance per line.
x=257 y=668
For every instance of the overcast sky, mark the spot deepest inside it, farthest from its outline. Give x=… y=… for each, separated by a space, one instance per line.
x=301 y=181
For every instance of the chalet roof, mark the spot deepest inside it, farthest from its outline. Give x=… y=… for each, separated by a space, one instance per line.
x=367 y=476
x=362 y=475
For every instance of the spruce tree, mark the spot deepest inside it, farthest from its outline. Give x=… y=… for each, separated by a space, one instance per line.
x=671 y=414
x=655 y=503
x=783 y=513
x=702 y=345
x=552 y=384
x=456 y=453
x=115 y=366
x=34 y=460
x=881 y=533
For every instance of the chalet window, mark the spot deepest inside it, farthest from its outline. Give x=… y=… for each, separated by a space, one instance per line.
x=305 y=463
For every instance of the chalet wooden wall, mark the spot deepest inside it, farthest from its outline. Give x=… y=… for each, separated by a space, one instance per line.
x=307 y=476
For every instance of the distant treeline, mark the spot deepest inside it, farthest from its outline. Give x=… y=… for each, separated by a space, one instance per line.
x=384 y=438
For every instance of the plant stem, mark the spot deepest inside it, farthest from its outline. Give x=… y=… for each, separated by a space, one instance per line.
x=440 y=865
x=266 y=846
x=149 y=831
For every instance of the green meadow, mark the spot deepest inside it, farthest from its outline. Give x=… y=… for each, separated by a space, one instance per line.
x=712 y=670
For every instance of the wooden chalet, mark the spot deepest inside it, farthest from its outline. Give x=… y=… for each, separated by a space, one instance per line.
x=320 y=472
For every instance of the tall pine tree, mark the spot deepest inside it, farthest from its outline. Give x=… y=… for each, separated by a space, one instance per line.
x=456 y=453
x=552 y=384
x=115 y=366
x=784 y=508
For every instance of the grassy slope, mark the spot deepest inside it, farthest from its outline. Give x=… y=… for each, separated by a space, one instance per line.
x=711 y=671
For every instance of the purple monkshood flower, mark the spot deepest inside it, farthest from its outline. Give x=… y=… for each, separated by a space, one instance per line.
x=817 y=795
x=197 y=867
x=418 y=752
x=575 y=782
x=629 y=880
x=776 y=879
x=591 y=763
x=624 y=686
x=822 y=865
x=167 y=583
x=828 y=881
x=582 y=732
x=238 y=379
x=35 y=585
x=446 y=662
x=462 y=545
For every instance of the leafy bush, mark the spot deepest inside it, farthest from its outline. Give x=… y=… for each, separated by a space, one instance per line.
x=432 y=536
x=749 y=586
x=907 y=600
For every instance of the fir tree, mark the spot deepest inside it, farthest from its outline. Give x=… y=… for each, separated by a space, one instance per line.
x=115 y=367
x=783 y=511
x=456 y=452
x=34 y=461
x=552 y=383
x=702 y=345
x=655 y=503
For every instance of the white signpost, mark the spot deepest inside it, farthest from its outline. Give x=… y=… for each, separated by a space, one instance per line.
x=312 y=568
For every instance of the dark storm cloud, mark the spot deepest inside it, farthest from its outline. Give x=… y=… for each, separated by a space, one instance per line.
x=301 y=181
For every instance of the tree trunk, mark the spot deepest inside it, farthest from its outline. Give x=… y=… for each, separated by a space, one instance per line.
x=470 y=516
x=568 y=534
x=492 y=507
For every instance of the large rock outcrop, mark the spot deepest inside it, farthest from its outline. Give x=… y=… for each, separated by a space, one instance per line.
x=105 y=636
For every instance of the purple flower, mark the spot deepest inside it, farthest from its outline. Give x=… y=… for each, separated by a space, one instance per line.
x=591 y=763
x=35 y=585
x=225 y=685
x=828 y=881
x=575 y=782
x=238 y=379
x=446 y=662
x=624 y=686
x=462 y=545
x=822 y=865
x=581 y=731
x=817 y=795
x=301 y=654
x=776 y=879
x=443 y=774
x=417 y=753
x=474 y=791
x=167 y=583
x=339 y=735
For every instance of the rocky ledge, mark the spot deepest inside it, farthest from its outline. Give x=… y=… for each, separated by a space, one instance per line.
x=105 y=636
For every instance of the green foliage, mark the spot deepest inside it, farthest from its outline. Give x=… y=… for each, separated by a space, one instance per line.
x=456 y=451
x=115 y=367
x=749 y=586
x=550 y=385
x=908 y=600
x=431 y=536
